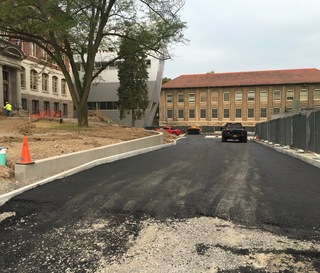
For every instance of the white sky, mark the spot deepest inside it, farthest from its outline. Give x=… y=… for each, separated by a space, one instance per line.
x=247 y=35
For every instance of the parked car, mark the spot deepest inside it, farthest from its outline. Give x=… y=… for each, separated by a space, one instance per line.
x=171 y=130
x=194 y=129
x=234 y=131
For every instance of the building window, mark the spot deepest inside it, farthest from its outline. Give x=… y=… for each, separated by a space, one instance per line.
x=44 y=55
x=290 y=94
x=238 y=113
x=203 y=97
x=288 y=109
x=180 y=97
x=63 y=87
x=317 y=94
x=191 y=113
x=304 y=94
x=169 y=98
x=192 y=98
x=46 y=105
x=23 y=77
x=54 y=84
x=214 y=96
x=33 y=49
x=251 y=96
x=276 y=110
x=263 y=112
x=263 y=96
x=35 y=106
x=103 y=105
x=45 y=82
x=110 y=105
x=226 y=96
x=276 y=95
x=19 y=43
x=250 y=113
x=24 y=104
x=203 y=113
x=169 y=113
x=65 y=109
x=33 y=80
x=238 y=96
x=56 y=106
x=226 y=113
x=214 y=113
x=180 y=113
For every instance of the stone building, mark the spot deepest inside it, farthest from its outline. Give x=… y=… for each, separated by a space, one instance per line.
x=30 y=81
x=248 y=97
x=10 y=67
x=43 y=86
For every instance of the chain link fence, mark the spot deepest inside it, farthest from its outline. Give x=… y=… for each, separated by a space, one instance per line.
x=301 y=131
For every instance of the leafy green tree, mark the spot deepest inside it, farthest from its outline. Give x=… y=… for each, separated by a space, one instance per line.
x=165 y=80
x=133 y=77
x=76 y=30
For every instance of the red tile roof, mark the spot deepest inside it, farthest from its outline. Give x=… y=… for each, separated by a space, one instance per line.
x=268 y=77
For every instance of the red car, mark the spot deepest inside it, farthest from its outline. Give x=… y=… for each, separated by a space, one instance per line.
x=171 y=130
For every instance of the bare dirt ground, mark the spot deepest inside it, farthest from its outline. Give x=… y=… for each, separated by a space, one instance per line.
x=47 y=138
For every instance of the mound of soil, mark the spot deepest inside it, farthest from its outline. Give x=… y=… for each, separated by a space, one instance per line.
x=47 y=138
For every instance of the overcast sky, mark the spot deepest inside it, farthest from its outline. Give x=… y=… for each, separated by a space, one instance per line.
x=247 y=35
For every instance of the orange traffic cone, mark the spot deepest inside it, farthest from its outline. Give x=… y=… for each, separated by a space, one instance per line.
x=25 y=154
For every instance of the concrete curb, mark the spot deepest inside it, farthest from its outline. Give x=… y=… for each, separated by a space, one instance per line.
x=307 y=157
x=7 y=196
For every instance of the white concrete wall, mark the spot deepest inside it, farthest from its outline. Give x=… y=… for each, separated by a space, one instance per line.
x=58 y=164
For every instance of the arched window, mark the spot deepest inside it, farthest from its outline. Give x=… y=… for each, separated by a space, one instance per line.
x=63 y=87
x=45 y=82
x=55 y=85
x=33 y=80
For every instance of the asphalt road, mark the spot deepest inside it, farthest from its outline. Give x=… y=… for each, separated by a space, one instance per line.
x=246 y=183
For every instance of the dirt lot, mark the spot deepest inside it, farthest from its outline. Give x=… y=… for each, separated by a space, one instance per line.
x=47 y=138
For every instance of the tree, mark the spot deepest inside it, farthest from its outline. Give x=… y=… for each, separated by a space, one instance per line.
x=78 y=29
x=165 y=80
x=133 y=77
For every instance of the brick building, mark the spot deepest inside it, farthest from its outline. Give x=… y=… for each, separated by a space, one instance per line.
x=248 y=97
x=30 y=81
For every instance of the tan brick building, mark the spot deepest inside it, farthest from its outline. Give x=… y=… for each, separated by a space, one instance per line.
x=248 y=97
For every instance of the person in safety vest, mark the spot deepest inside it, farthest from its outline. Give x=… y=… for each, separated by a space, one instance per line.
x=8 y=109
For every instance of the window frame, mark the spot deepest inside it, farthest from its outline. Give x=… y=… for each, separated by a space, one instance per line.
x=251 y=112
x=237 y=99
x=276 y=95
x=252 y=97
x=169 y=98
x=226 y=96
x=289 y=98
x=192 y=98
x=263 y=97
x=305 y=96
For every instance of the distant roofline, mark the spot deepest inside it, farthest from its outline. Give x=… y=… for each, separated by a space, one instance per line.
x=245 y=78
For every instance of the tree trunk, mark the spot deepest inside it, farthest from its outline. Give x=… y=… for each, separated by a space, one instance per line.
x=82 y=115
x=133 y=118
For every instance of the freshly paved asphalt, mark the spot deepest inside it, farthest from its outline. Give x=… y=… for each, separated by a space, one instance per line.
x=247 y=183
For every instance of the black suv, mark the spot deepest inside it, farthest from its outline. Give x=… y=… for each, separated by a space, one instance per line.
x=234 y=131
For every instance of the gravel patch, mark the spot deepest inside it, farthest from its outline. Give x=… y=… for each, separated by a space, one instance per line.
x=212 y=245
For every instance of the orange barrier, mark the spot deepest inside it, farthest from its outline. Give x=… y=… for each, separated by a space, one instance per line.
x=25 y=153
x=49 y=113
